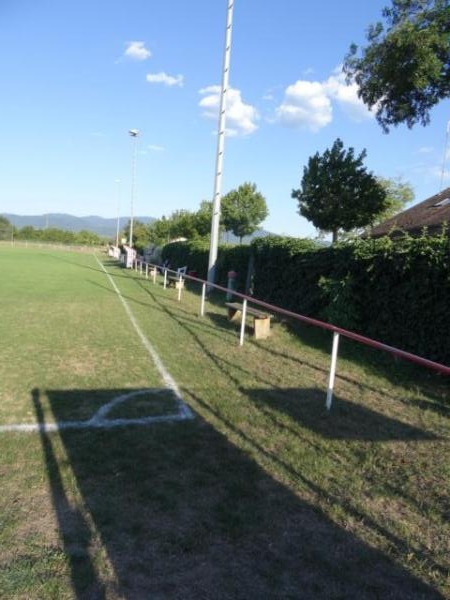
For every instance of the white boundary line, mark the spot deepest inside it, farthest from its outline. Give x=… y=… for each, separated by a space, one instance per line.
x=99 y=420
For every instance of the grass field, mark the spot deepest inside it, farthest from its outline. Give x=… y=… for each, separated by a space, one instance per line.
x=261 y=495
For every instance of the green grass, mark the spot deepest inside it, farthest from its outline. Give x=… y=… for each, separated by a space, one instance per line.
x=263 y=495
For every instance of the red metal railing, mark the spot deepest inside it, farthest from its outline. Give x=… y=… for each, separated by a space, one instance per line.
x=337 y=331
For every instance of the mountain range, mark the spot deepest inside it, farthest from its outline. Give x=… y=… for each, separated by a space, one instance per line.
x=100 y=225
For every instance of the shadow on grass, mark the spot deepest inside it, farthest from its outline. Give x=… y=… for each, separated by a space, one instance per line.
x=183 y=513
x=346 y=420
x=373 y=361
x=74 y=529
x=376 y=362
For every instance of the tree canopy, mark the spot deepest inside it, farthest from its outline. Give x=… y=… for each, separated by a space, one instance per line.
x=337 y=192
x=5 y=228
x=140 y=234
x=398 y=194
x=405 y=68
x=243 y=210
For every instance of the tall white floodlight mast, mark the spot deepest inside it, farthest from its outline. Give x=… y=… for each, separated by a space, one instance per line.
x=220 y=148
x=134 y=134
x=445 y=156
x=118 y=212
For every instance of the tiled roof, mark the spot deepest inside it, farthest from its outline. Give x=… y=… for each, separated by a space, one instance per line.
x=430 y=213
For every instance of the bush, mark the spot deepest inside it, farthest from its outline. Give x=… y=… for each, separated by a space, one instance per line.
x=393 y=291
x=195 y=255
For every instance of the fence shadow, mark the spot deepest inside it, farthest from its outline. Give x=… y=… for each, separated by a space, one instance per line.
x=375 y=361
x=346 y=420
x=183 y=513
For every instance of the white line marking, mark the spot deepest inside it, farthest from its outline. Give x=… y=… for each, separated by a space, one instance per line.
x=99 y=420
x=167 y=378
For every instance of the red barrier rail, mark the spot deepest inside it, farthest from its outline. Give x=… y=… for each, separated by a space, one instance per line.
x=337 y=331
x=346 y=333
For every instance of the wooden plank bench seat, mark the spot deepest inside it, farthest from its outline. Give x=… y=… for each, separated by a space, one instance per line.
x=261 y=319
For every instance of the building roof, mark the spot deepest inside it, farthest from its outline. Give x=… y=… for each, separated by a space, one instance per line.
x=432 y=213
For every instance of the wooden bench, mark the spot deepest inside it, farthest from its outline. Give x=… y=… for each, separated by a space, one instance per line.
x=261 y=319
x=176 y=282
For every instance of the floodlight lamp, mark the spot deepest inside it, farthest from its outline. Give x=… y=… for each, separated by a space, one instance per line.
x=133 y=132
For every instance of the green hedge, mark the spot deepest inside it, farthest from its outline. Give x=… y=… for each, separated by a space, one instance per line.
x=286 y=273
x=395 y=291
x=195 y=255
x=400 y=293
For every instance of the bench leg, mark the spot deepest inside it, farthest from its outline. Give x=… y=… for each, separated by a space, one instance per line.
x=234 y=315
x=261 y=328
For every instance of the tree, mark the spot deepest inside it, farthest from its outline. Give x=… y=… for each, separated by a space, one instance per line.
x=27 y=233
x=87 y=238
x=159 y=231
x=337 y=192
x=405 y=68
x=6 y=228
x=398 y=194
x=203 y=218
x=243 y=210
x=140 y=234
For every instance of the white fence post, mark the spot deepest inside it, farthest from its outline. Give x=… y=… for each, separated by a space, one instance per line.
x=334 y=353
x=165 y=278
x=202 y=305
x=180 y=285
x=244 y=314
x=154 y=273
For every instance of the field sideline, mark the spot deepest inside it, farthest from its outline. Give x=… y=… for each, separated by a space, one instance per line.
x=261 y=495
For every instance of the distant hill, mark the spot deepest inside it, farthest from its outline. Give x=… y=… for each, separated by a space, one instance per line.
x=100 y=225
x=229 y=238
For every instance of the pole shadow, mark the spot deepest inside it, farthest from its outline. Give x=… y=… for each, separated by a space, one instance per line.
x=346 y=420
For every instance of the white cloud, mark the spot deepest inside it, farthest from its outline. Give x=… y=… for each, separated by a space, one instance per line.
x=306 y=106
x=137 y=51
x=156 y=148
x=241 y=117
x=309 y=104
x=165 y=79
x=346 y=95
x=425 y=150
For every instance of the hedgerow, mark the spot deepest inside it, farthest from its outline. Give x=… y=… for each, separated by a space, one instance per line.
x=395 y=291
x=195 y=255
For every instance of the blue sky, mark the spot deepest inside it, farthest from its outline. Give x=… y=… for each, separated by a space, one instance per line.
x=77 y=75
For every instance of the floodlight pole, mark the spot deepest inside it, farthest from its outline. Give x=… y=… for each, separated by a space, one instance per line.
x=134 y=134
x=215 y=221
x=447 y=131
x=118 y=212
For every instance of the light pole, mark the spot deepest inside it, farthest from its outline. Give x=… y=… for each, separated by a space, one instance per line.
x=118 y=212
x=134 y=134
x=447 y=132
x=220 y=148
